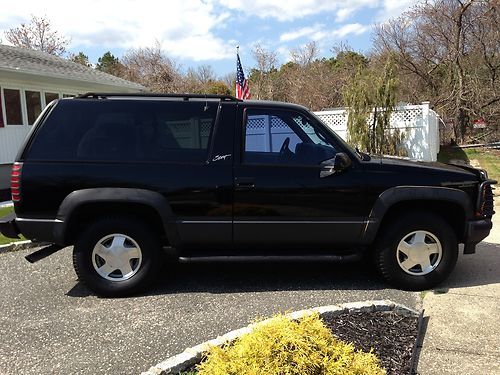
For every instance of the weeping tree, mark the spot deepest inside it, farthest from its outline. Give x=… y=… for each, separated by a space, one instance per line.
x=370 y=98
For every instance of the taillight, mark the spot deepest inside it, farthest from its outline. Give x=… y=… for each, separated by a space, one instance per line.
x=15 y=182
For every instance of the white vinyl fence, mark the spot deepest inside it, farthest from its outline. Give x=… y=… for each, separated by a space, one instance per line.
x=419 y=123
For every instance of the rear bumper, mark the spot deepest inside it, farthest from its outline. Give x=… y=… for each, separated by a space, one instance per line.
x=39 y=230
x=8 y=226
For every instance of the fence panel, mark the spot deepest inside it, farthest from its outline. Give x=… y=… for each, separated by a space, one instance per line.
x=419 y=123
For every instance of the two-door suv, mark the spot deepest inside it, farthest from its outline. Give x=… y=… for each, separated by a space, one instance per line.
x=126 y=179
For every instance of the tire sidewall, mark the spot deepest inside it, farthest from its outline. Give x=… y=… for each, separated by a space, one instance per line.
x=387 y=251
x=83 y=249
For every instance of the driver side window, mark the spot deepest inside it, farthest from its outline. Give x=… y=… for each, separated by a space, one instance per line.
x=283 y=137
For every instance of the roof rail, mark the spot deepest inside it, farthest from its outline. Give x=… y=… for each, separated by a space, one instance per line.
x=100 y=95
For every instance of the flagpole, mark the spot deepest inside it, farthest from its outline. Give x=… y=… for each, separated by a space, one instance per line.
x=237 y=56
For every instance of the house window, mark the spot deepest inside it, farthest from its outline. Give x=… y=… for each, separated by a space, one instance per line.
x=1 y=110
x=50 y=96
x=13 y=106
x=33 y=105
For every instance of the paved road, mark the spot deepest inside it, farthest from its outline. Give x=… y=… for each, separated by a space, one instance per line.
x=51 y=324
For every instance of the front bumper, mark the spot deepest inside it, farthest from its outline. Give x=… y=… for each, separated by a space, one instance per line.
x=475 y=232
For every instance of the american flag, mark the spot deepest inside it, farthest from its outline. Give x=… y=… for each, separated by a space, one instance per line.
x=242 y=89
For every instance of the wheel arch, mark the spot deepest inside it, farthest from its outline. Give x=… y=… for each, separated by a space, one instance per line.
x=451 y=204
x=82 y=206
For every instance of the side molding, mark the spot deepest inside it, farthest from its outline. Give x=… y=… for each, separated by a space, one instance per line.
x=149 y=198
x=412 y=193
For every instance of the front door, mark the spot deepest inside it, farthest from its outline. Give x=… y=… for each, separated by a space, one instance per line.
x=280 y=200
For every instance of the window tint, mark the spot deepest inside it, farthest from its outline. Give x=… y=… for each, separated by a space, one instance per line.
x=126 y=130
x=284 y=137
x=33 y=105
x=13 y=107
x=50 y=96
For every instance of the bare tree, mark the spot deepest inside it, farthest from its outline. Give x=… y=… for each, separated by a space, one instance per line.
x=152 y=68
x=263 y=77
x=450 y=51
x=38 y=35
x=306 y=54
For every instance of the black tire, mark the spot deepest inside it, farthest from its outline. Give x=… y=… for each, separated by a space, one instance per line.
x=145 y=270
x=386 y=253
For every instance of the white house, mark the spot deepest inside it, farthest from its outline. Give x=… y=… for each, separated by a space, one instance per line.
x=29 y=80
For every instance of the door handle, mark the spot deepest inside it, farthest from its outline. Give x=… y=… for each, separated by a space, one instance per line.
x=243 y=183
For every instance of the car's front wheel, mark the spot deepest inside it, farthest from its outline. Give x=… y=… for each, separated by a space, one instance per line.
x=417 y=251
x=117 y=256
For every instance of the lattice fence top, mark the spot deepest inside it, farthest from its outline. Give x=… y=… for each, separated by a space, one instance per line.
x=400 y=117
x=418 y=123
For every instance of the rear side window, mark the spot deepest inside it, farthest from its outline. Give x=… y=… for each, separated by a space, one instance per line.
x=114 y=130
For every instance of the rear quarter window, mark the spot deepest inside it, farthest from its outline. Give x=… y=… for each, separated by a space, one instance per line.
x=120 y=130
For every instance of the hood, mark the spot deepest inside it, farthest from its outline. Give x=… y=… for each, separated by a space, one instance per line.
x=466 y=171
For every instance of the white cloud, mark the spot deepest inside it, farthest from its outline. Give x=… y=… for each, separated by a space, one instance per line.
x=309 y=31
x=319 y=32
x=288 y=10
x=394 y=8
x=351 y=28
x=184 y=28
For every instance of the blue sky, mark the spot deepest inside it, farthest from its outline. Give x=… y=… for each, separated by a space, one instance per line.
x=198 y=32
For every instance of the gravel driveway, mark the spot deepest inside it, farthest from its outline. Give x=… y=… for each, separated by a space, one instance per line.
x=51 y=324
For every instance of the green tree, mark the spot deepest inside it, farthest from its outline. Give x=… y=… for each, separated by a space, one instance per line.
x=81 y=59
x=110 y=64
x=218 y=88
x=371 y=98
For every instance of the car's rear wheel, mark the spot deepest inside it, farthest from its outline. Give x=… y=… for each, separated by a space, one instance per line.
x=417 y=251
x=117 y=256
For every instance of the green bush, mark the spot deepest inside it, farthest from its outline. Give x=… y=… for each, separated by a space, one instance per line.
x=287 y=347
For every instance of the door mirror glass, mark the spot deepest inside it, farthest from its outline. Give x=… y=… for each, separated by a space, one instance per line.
x=337 y=164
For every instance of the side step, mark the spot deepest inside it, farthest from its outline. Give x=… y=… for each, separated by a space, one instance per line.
x=271 y=258
x=43 y=253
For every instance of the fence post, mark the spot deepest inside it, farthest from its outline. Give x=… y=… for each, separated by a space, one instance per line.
x=426 y=136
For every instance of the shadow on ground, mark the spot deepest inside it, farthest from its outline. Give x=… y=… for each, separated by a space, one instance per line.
x=259 y=277
x=471 y=270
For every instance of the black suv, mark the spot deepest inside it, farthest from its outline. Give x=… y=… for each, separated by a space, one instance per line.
x=127 y=179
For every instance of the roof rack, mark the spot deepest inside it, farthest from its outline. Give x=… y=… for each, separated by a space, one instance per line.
x=100 y=95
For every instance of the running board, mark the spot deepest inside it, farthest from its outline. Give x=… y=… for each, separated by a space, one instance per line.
x=271 y=258
x=43 y=253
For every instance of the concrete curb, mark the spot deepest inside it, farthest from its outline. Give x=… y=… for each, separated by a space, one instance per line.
x=19 y=245
x=191 y=356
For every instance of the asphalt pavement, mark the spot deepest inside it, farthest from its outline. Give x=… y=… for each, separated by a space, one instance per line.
x=51 y=324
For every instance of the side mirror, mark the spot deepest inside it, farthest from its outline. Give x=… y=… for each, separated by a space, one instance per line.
x=337 y=164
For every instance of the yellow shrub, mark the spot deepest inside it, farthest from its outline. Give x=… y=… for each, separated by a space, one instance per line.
x=286 y=347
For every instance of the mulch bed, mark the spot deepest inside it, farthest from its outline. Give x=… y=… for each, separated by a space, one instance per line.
x=392 y=336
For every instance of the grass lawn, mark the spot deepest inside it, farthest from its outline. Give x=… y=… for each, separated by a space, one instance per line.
x=4 y=240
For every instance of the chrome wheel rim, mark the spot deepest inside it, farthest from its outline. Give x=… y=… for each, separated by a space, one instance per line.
x=116 y=257
x=419 y=253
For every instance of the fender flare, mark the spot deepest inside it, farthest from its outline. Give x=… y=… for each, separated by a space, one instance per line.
x=413 y=193
x=151 y=199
